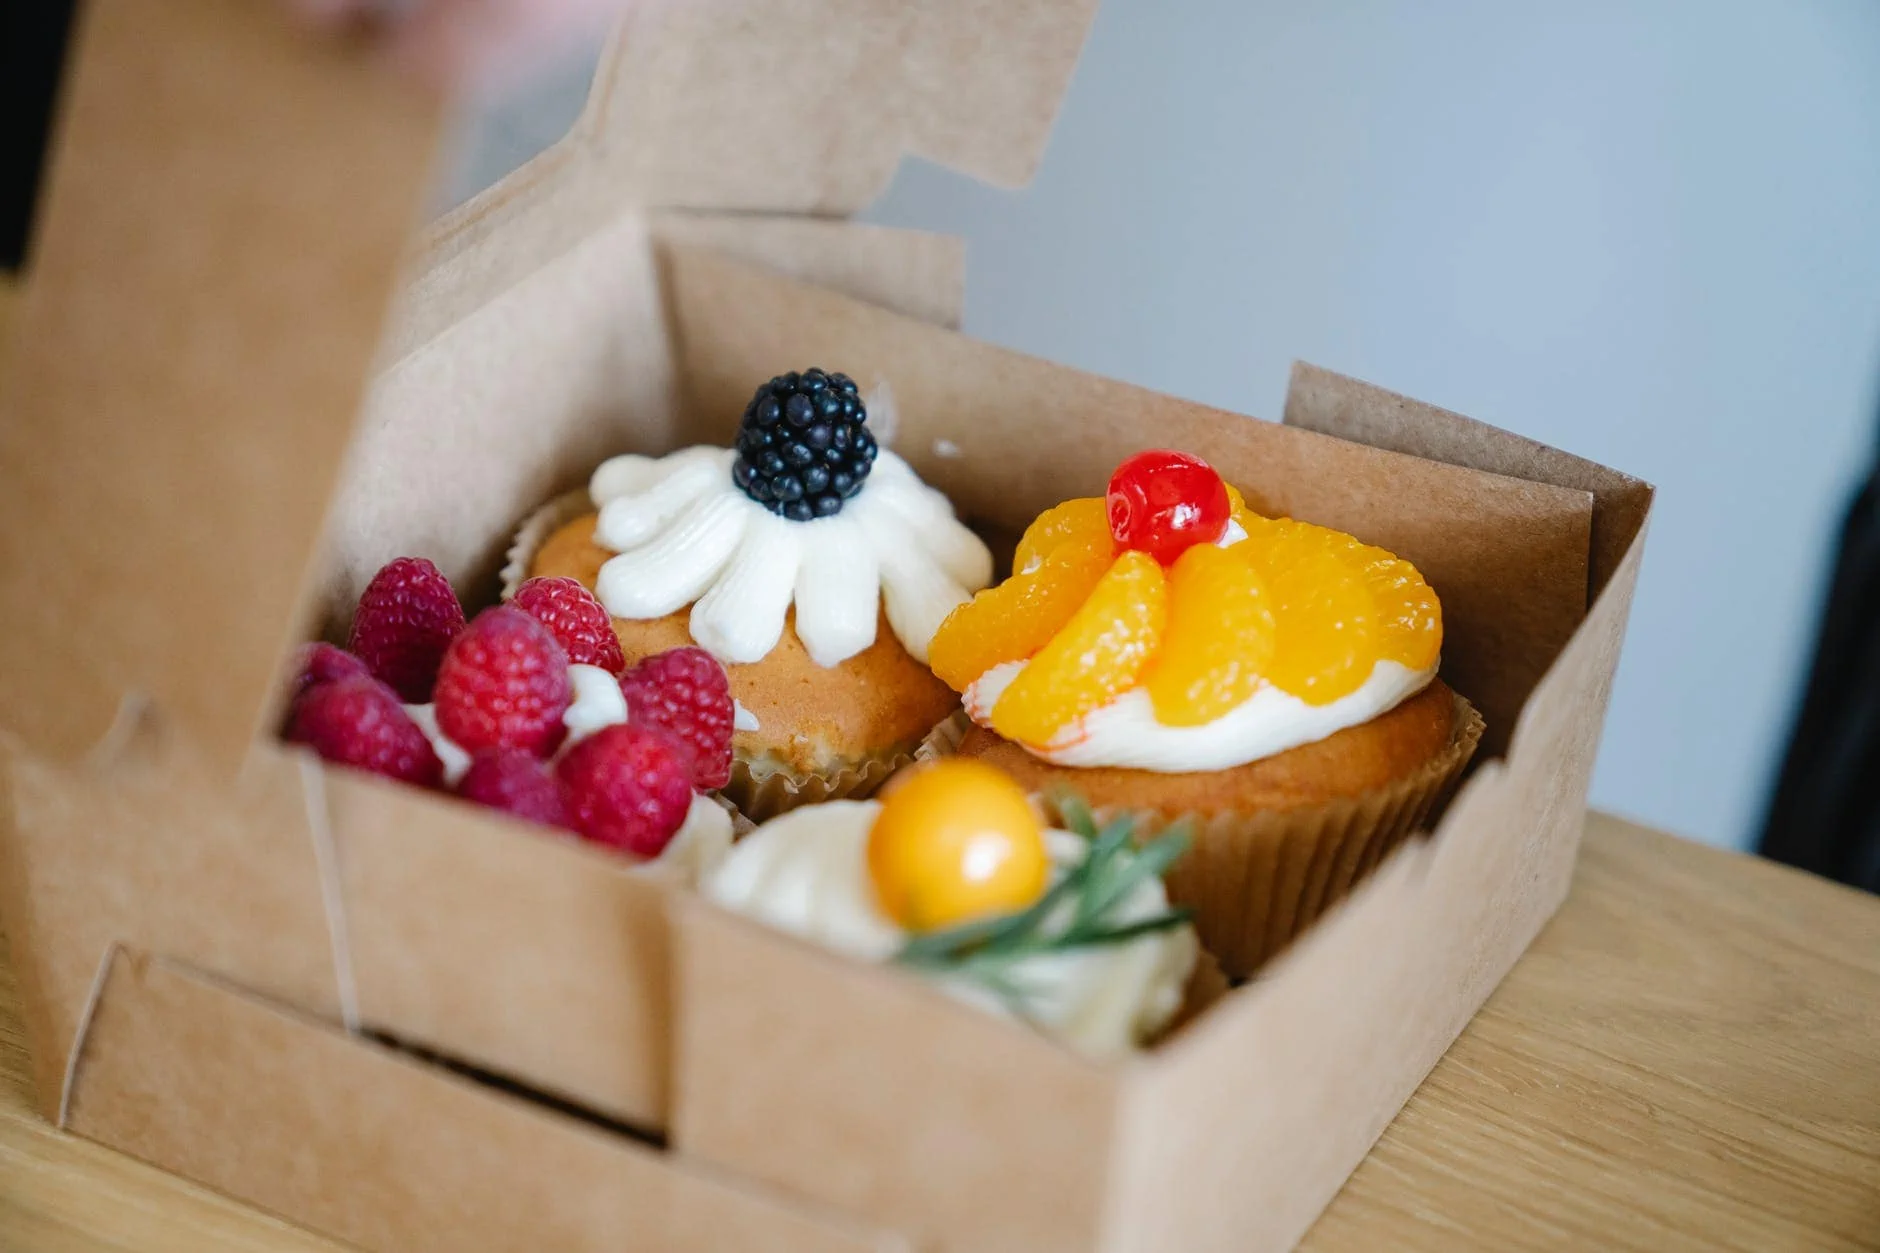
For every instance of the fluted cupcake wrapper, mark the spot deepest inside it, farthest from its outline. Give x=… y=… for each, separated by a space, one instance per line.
x=762 y=790
x=944 y=740
x=1257 y=880
x=535 y=530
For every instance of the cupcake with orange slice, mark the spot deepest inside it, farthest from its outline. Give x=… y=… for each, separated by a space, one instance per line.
x=1167 y=653
x=953 y=877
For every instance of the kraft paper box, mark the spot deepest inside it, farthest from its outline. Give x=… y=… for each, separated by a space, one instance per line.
x=238 y=388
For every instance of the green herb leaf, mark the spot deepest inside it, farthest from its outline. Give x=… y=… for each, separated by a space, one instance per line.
x=1075 y=815
x=994 y=932
x=1142 y=926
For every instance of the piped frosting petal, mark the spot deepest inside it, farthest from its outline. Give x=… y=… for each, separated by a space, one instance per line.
x=838 y=591
x=653 y=580
x=916 y=592
x=630 y=520
x=741 y=618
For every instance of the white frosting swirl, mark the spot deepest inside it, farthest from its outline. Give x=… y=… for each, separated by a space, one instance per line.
x=807 y=873
x=1126 y=734
x=686 y=534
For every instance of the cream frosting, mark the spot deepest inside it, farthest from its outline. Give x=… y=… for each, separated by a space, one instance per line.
x=701 y=843
x=743 y=719
x=686 y=534
x=598 y=702
x=454 y=759
x=806 y=873
x=1126 y=734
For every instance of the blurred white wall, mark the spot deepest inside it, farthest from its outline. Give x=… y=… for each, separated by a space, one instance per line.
x=1647 y=232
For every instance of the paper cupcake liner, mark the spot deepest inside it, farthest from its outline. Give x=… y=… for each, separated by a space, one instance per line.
x=535 y=529
x=761 y=790
x=944 y=740
x=1257 y=880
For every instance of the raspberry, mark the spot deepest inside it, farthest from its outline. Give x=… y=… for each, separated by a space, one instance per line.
x=627 y=787
x=503 y=684
x=406 y=618
x=515 y=782
x=322 y=663
x=358 y=721
x=685 y=693
x=575 y=618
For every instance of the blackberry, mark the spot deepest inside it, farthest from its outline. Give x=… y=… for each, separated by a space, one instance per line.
x=804 y=446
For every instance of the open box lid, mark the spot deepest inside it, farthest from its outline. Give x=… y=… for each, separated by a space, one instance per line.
x=224 y=221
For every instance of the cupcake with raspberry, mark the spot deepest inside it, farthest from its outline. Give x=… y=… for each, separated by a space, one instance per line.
x=809 y=560
x=953 y=878
x=1166 y=653
x=529 y=708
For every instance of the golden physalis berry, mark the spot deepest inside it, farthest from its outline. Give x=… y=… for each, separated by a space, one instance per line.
x=1085 y=520
x=1018 y=617
x=1219 y=640
x=1098 y=654
x=1324 y=616
x=954 y=842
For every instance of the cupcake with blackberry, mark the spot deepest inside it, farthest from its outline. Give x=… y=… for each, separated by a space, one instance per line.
x=808 y=559
x=1164 y=652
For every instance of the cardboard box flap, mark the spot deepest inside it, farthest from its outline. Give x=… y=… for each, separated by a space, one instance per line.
x=808 y=106
x=202 y=316
x=1320 y=400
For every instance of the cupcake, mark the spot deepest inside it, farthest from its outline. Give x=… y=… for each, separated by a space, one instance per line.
x=953 y=877
x=1166 y=653
x=813 y=563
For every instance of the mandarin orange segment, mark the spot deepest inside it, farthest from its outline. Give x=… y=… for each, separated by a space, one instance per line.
x=1239 y=512
x=1018 y=617
x=1325 y=619
x=1099 y=654
x=1219 y=639
x=1409 y=615
x=1082 y=520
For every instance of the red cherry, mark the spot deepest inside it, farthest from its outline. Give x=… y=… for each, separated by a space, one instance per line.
x=1163 y=503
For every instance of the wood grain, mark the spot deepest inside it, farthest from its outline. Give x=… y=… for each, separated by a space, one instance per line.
x=1688 y=1058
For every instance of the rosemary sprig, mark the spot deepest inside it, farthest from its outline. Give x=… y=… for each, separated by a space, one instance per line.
x=987 y=950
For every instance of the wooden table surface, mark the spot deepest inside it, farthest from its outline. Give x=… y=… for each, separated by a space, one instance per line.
x=1688 y=1058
